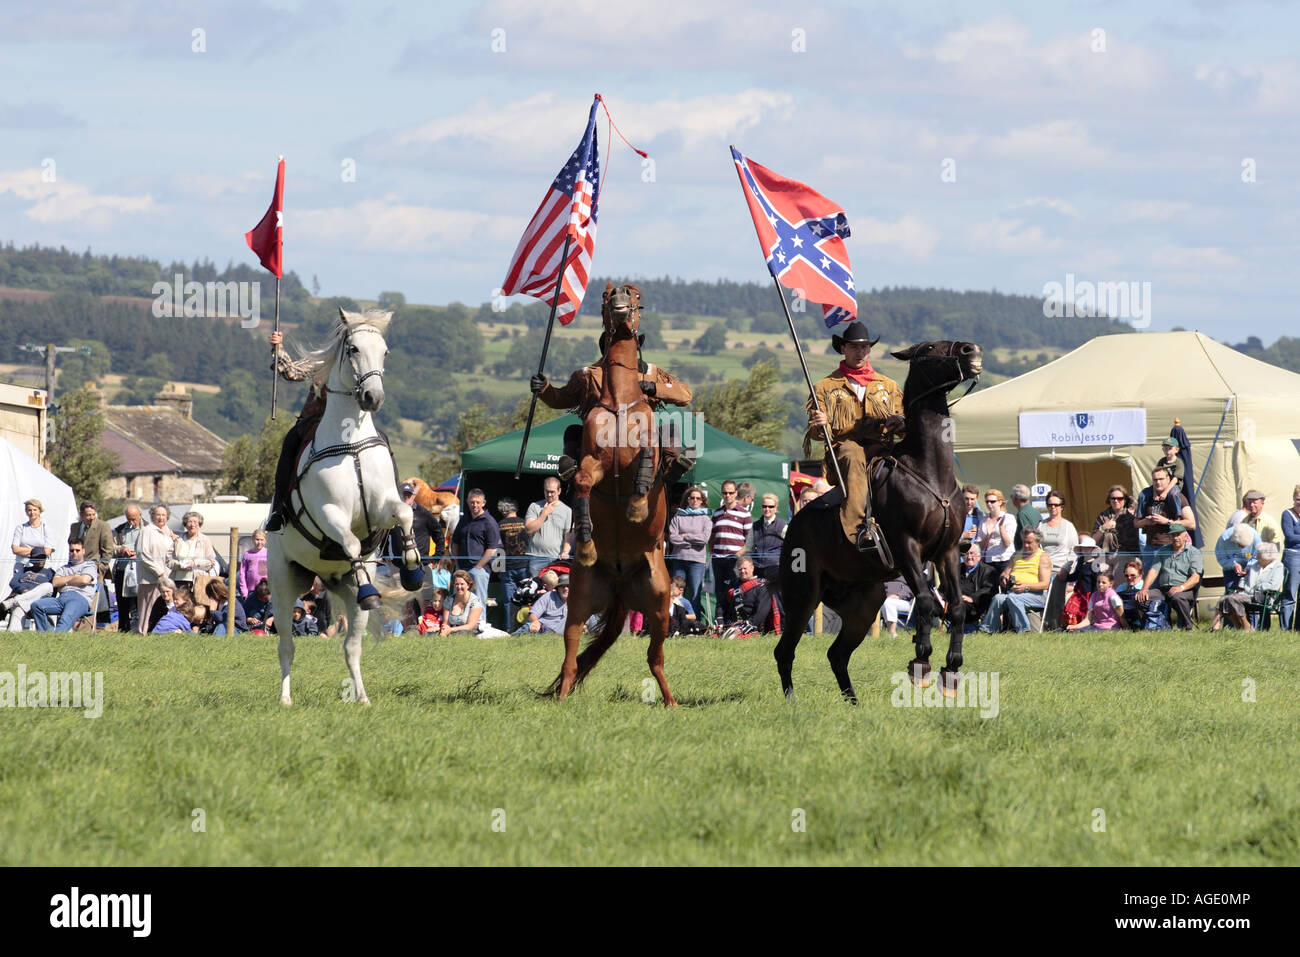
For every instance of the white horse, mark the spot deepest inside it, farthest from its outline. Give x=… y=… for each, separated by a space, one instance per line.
x=346 y=499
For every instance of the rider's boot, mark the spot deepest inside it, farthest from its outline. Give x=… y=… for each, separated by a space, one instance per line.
x=871 y=541
x=568 y=462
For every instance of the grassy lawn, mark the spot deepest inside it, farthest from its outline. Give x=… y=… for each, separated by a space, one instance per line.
x=1151 y=729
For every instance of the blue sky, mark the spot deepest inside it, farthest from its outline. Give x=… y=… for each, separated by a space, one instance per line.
x=1114 y=156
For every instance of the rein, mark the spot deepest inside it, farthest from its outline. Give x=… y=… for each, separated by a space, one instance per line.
x=943 y=386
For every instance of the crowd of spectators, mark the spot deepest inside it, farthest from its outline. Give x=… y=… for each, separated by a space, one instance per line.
x=1136 y=568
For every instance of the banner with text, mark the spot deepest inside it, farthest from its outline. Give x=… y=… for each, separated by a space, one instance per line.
x=1075 y=429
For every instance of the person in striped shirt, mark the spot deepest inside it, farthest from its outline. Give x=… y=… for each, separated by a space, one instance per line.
x=731 y=526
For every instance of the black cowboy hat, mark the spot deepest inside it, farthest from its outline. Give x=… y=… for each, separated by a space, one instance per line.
x=856 y=332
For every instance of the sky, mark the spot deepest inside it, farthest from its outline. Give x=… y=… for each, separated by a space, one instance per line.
x=1001 y=145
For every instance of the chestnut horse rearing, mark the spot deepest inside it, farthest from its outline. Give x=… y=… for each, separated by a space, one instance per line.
x=620 y=505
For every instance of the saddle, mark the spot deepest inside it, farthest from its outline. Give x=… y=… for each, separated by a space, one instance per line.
x=330 y=550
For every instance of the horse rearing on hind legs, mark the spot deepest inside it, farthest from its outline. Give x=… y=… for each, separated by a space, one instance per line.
x=620 y=505
x=920 y=510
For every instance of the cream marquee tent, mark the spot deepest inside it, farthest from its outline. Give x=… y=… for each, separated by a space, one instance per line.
x=1254 y=408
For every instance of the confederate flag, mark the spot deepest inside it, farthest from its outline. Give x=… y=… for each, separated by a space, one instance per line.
x=267 y=237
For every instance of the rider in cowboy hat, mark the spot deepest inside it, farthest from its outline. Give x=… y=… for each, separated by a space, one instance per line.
x=862 y=408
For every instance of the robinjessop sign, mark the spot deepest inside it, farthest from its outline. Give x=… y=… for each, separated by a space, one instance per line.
x=1039 y=430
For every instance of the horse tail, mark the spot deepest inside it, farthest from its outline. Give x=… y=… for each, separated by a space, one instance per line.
x=611 y=627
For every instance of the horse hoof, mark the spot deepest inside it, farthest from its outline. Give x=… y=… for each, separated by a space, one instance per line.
x=587 y=554
x=286 y=702
x=364 y=701
x=368 y=597
x=412 y=578
x=638 y=511
x=951 y=680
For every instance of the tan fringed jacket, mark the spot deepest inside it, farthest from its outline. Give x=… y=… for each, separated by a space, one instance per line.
x=851 y=418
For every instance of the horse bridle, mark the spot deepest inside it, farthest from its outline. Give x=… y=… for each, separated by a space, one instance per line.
x=950 y=356
x=358 y=379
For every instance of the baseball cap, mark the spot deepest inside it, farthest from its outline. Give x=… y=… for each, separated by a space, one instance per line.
x=37 y=554
x=407 y=488
x=1170 y=442
x=563 y=580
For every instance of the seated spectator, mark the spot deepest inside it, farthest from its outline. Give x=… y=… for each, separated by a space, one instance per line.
x=1082 y=580
x=1263 y=578
x=1025 y=585
x=549 y=612
x=29 y=585
x=182 y=619
x=979 y=583
x=304 y=623
x=1114 y=531
x=1260 y=520
x=219 y=594
x=1056 y=534
x=754 y=609
x=260 y=614
x=898 y=601
x=1175 y=571
x=1127 y=591
x=1105 y=609
x=1235 y=549
x=435 y=610
x=318 y=604
x=682 y=619
x=997 y=535
x=465 y=614
x=74 y=591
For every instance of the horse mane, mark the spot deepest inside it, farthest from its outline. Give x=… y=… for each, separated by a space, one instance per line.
x=318 y=362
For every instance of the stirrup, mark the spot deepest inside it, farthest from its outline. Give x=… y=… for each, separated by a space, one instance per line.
x=872 y=540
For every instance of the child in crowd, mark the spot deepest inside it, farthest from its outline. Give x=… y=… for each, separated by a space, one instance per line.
x=304 y=623
x=441 y=575
x=1105 y=607
x=184 y=617
x=430 y=622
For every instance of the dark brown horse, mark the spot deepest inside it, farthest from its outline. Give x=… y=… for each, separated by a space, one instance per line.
x=921 y=510
x=620 y=506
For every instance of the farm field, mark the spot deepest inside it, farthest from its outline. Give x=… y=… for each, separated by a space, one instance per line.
x=1150 y=730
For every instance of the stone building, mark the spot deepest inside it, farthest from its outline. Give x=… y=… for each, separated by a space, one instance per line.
x=165 y=455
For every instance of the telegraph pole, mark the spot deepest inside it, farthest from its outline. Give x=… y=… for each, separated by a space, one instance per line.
x=51 y=352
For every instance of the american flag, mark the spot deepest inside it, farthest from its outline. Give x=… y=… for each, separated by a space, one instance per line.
x=569 y=208
x=802 y=235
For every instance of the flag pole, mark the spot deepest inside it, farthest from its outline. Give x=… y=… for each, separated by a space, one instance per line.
x=546 y=345
x=275 y=369
x=826 y=429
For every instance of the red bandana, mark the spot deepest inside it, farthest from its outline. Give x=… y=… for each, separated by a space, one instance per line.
x=861 y=376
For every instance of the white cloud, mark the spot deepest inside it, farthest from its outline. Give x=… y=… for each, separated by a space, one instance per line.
x=1012 y=236
x=908 y=234
x=1195 y=259
x=62 y=201
x=545 y=122
x=1064 y=142
x=391 y=225
x=1152 y=210
x=1064 y=207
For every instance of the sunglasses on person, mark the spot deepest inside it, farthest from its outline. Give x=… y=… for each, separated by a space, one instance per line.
x=769 y=506
x=1117 y=498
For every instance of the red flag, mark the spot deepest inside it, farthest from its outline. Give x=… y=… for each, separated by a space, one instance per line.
x=267 y=237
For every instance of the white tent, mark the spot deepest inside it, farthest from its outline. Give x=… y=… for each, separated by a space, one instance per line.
x=21 y=478
x=1050 y=425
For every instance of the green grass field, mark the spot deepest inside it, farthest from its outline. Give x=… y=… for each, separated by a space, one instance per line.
x=1150 y=729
